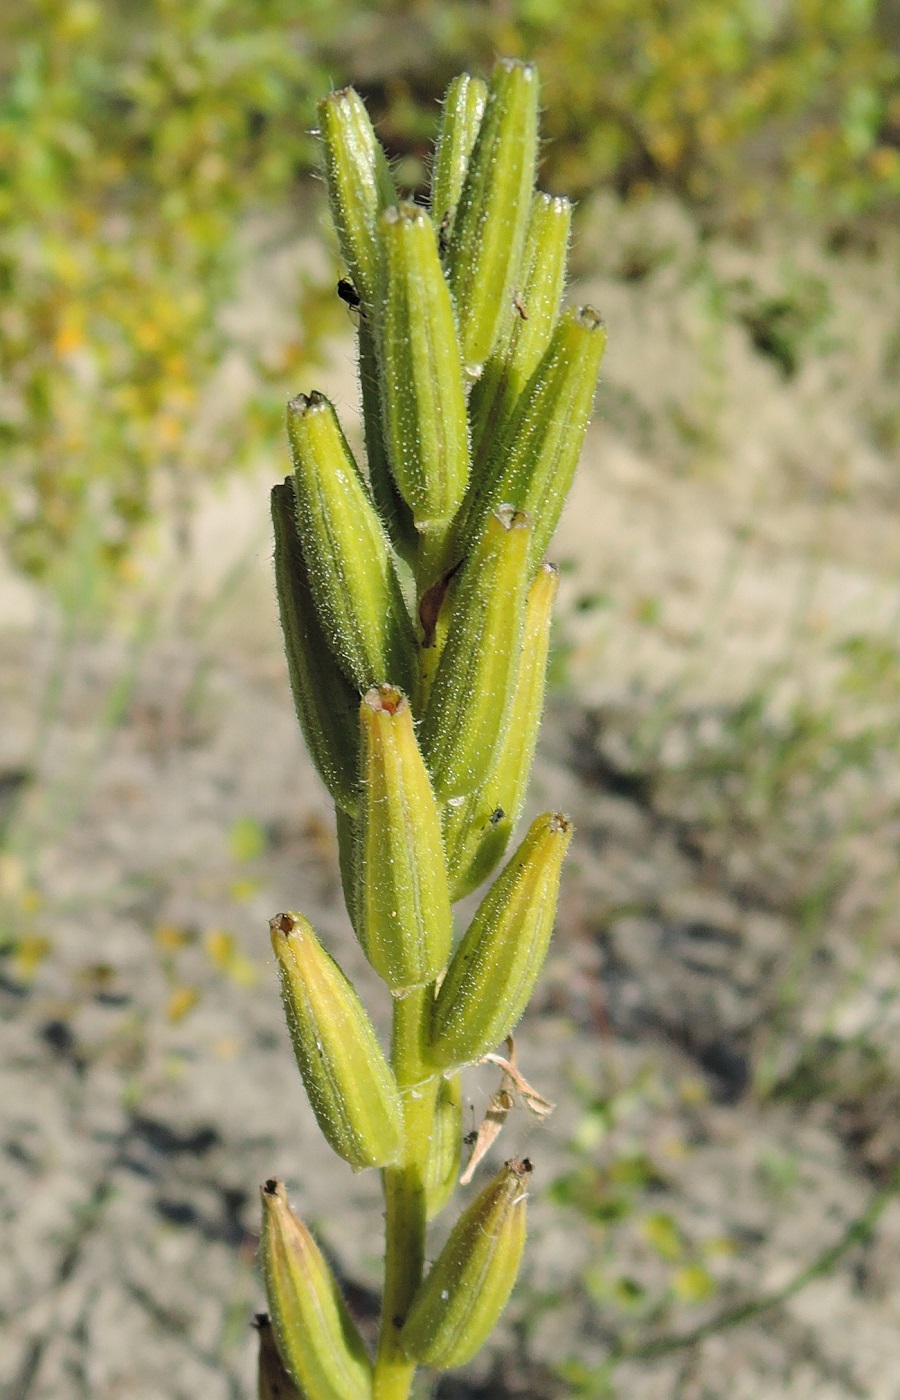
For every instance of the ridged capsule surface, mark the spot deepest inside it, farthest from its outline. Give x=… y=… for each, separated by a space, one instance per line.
x=423 y=403
x=467 y=1287
x=348 y=1081
x=359 y=185
x=347 y=554
x=493 y=971
x=317 y=1338
x=327 y=704
x=445 y=1145
x=489 y=224
x=402 y=912
x=460 y=119
x=477 y=830
x=473 y=687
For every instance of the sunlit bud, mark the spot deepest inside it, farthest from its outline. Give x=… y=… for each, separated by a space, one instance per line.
x=489 y=225
x=348 y=558
x=423 y=404
x=493 y=971
x=461 y=1299
x=359 y=185
x=445 y=1145
x=477 y=830
x=272 y=1380
x=402 y=914
x=474 y=685
x=350 y=1086
x=528 y=324
x=327 y=705
x=463 y=109
x=318 y=1341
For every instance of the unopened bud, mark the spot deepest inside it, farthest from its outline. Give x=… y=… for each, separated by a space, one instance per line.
x=461 y=117
x=318 y=1341
x=461 y=1299
x=347 y=1078
x=359 y=185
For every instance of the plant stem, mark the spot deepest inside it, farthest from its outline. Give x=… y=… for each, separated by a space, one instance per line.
x=404 y=1195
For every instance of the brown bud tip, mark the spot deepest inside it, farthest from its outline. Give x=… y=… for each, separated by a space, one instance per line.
x=272 y=1187
x=560 y=824
x=512 y=519
x=385 y=699
x=283 y=923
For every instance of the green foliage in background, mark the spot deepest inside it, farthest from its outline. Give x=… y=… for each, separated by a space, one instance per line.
x=134 y=145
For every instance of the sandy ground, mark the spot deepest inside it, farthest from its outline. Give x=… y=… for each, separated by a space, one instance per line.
x=716 y=1021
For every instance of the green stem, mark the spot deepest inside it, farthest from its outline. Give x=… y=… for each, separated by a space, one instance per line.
x=404 y=1196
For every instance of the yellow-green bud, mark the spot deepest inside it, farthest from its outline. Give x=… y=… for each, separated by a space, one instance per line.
x=423 y=404
x=326 y=703
x=444 y=1145
x=473 y=688
x=461 y=1299
x=359 y=185
x=395 y=514
x=529 y=322
x=272 y=1380
x=347 y=1078
x=493 y=971
x=347 y=554
x=489 y=225
x=463 y=109
x=477 y=830
x=402 y=912
x=318 y=1340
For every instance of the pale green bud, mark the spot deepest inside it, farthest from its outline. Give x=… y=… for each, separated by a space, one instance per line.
x=402 y=911
x=359 y=186
x=272 y=1380
x=461 y=117
x=493 y=971
x=327 y=705
x=477 y=830
x=347 y=1078
x=444 y=1145
x=460 y=1301
x=489 y=225
x=395 y=514
x=473 y=689
x=423 y=403
x=318 y=1340
x=348 y=558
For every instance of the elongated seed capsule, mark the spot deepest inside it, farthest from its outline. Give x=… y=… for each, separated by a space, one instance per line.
x=359 y=185
x=477 y=830
x=528 y=324
x=318 y=1340
x=272 y=1380
x=395 y=514
x=533 y=460
x=327 y=705
x=347 y=554
x=402 y=913
x=444 y=1145
x=493 y=971
x=423 y=404
x=489 y=225
x=473 y=688
x=350 y=1086
x=465 y=1291
x=463 y=109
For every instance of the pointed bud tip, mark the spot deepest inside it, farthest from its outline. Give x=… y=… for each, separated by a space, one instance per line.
x=560 y=824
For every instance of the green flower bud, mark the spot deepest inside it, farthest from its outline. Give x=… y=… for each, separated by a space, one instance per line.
x=272 y=1380
x=493 y=971
x=395 y=514
x=477 y=830
x=532 y=462
x=474 y=685
x=359 y=186
x=468 y=1286
x=326 y=703
x=463 y=109
x=347 y=555
x=402 y=913
x=445 y=1145
x=528 y=324
x=489 y=226
x=317 y=1338
x=350 y=1086
x=423 y=404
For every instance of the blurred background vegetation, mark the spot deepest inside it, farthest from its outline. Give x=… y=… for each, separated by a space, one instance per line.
x=138 y=143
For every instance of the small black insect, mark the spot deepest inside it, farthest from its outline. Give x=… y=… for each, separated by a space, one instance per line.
x=496 y=816
x=348 y=293
x=471 y=1138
